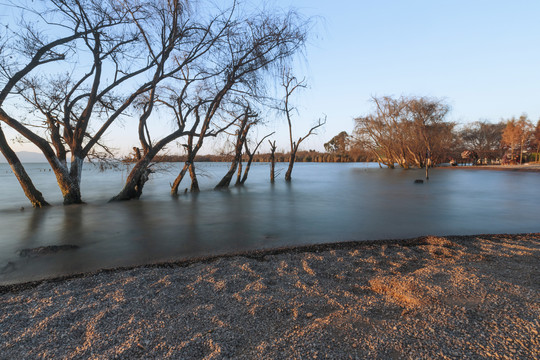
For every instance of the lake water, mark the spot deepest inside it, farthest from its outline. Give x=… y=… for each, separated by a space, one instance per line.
x=324 y=203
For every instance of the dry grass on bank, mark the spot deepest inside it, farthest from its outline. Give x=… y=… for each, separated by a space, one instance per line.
x=433 y=297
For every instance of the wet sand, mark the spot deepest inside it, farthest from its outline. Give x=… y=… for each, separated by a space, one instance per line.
x=432 y=297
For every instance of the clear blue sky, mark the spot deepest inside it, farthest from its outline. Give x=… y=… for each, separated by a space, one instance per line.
x=482 y=56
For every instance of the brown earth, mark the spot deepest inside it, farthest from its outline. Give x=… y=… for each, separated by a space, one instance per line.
x=468 y=297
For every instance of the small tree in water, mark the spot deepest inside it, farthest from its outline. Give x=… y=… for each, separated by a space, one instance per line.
x=290 y=83
x=244 y=125
x=250 y=155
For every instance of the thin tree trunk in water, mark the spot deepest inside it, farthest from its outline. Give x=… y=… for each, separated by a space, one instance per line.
x=178 y=180
x=272 y=168
x=226 y=180
x=240 y=139
x=194 y=181
x=33 y=194
x=239 y=174
x=272 y=161
x=140 y=173
x=288 y=176
x=252 y=154
x=246 y=172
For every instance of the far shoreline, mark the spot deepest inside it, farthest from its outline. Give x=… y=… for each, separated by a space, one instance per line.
x=518 y=168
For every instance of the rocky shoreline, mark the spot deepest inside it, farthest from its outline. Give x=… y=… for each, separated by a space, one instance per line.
x=430 y=297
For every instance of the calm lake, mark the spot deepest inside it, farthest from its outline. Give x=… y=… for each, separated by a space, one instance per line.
x=324 y=203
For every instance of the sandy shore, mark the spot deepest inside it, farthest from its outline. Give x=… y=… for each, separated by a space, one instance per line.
x=435 y=297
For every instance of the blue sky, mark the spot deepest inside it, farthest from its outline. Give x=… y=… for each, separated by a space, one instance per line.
x=482 y=57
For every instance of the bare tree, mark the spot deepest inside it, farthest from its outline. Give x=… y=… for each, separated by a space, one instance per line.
x=241 y=134
x=290 y=84
x=185 y=44
x=427 y=116
x=250 y=155
x=27 y=47
x=250 y=48
x=106 y=53
x=243 y=50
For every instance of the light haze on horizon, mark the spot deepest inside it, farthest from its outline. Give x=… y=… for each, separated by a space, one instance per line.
x=481 y=56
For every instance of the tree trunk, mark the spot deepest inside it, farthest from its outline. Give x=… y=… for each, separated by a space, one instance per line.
x=239 y=174
x=226 y=180
x=240 y=139
x=71 y=192
x=288 y=174
x=71 y=188
x=178 y=180
x=273 y=166
x=135 y=182
x=193 y=175
x=33 y=194
x=246 y=172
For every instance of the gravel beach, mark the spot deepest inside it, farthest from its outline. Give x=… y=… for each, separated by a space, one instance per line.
x=466 y=297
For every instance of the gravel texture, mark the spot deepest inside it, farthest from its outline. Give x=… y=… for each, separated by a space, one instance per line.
x=471 y=297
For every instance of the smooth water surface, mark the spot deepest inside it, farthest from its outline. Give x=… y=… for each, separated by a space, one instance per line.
x=324 y=203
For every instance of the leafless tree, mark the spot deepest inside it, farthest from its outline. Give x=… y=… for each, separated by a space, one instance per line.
x=185 y=47
x=27 y=51
x=107 y=53
x=250 y=155
x=245 y=49
x=247 y=120
x=290 y=84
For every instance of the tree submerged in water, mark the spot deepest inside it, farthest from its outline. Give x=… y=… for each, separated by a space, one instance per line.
x=290 y=84
x=192 y=63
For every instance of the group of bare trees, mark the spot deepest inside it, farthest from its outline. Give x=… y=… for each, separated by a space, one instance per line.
x=74 y=68
x=405 y=131
x=415 y=132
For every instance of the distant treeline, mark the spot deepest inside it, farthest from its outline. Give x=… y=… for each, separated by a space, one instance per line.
x=301 y=156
